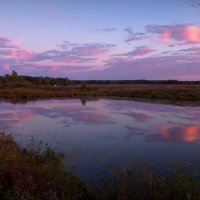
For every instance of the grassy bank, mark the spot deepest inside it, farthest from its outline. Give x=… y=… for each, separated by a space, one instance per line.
x=173 y=93
x=28 y=88
x=34 y=175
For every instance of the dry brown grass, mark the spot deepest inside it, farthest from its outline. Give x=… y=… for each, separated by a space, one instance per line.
x=173 y=93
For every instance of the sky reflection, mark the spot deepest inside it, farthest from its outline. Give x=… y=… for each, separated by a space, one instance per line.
x=118 y=130
x=165 y=122
x=176 y=133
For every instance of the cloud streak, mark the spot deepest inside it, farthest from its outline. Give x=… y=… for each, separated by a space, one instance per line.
x=140 y=51
x=107 y=29
x=134 y=36
x=137 y=52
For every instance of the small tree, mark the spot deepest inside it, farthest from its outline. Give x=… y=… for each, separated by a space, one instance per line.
x=14 y=74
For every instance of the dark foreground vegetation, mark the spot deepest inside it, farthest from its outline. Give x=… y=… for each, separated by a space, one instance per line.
x=28 y=88
x=35 y=175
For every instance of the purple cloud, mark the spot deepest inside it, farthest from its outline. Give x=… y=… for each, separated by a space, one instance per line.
x=76 y=54
x=181 y=67
x=139 y=51
x=6 y=43
x=132 y=36
x=195 y=3
x=191 y=50
x=77 y=58
x=129 y=30
x=107 y=29
x=58 y=56
x=92 y=49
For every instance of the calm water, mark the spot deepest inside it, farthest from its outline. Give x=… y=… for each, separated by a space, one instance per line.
x=96 y=134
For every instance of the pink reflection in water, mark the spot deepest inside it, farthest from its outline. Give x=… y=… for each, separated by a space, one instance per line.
x=176 y=133
x=96 y=118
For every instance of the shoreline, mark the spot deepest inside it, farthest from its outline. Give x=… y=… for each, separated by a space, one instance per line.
x=96 y=98
x=176 y=94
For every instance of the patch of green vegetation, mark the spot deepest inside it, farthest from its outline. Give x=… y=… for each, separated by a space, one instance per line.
x=35 y=175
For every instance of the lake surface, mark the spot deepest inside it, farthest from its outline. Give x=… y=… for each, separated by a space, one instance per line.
x=99 y=133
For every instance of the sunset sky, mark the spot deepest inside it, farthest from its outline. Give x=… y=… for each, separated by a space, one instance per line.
x=101 y=39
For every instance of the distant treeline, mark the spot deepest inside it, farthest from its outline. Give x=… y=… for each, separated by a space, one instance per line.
x=142 y=81
x=16 y=80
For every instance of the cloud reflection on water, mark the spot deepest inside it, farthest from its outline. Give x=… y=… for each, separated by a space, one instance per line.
x=151 y=122
x=176 y=133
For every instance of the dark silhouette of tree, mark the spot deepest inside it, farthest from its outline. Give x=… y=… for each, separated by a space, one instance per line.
x=14 y=74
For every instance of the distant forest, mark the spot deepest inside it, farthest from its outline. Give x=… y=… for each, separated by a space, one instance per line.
x=16 y=80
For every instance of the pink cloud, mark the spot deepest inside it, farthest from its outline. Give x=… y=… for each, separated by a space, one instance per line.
x=14 y=54
x=192 y=34
x=24 y=54
x=55 y=69
x=165 y=37
x=9 y=49
x=6 y=66
x=184 y=33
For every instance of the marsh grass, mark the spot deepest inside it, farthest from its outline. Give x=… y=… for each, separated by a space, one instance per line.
x=145 y=184
x=173 y=93
x=34 y=175
x=14 y=86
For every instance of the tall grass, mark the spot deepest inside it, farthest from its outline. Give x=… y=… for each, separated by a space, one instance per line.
x=136 y=184
x=34 y=175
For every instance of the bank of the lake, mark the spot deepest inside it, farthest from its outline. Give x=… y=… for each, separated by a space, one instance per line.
x=185 y=94
x=15 y=86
